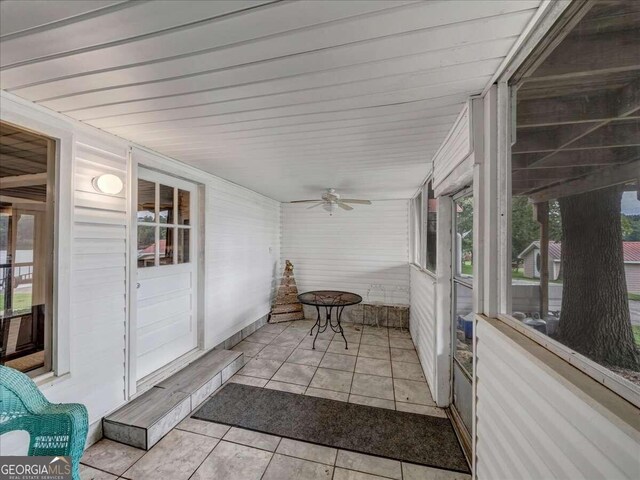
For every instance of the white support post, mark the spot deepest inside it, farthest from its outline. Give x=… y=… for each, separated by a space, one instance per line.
x=131 y=376
x=502 y=134
x=442 y=393
x=480 y=232
x=488 y=198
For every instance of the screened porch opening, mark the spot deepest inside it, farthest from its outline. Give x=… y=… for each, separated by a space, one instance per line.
x=576 y=191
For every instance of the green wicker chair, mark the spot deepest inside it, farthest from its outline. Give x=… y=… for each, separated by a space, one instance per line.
x=54 y=429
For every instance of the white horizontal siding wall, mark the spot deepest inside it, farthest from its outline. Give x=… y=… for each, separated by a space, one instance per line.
x=242 y=251
x=350 y=250
x=91 y=251
x=98 y=283
x=423 y=321
x=242 y=229
x=534 y=423
x=632 y=274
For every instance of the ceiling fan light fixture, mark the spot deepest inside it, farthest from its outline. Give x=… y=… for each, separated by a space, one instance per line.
x=331 y=200
x=329 y=207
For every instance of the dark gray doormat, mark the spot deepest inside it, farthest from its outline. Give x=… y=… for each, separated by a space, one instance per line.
x=388 y=433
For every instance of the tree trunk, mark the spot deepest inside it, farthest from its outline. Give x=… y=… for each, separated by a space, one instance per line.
x=595 y=318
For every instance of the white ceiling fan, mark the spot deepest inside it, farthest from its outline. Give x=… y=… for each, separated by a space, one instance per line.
x=330 y=199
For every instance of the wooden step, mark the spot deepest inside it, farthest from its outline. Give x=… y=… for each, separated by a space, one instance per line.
x=145 y=420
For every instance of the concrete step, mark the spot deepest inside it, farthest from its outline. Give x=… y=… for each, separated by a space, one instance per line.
x=145 y=420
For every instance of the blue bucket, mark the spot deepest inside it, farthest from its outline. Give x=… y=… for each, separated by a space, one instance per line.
x=468 y=328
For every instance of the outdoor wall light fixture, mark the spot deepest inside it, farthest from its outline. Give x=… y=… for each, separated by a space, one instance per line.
x=108 y=183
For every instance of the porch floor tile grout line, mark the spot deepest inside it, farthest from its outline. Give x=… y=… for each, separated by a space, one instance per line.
x=306 y=459
x=205 y=458
x=335 y=461
x=122 y=475
x=353 y=374
x=393 y=383
x=367 y=473
x=354 y=369
x=285 y=361
x=105 y=471
x=314 y=373
x=131 y=466
x=235 y=442
x=273 y=454
x=195 y=433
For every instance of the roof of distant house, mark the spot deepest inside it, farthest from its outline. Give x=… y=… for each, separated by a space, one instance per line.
x=554 y=249
x=631 y=251
x=152 y=248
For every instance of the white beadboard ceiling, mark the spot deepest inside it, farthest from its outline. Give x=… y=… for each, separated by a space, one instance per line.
x=283 y=97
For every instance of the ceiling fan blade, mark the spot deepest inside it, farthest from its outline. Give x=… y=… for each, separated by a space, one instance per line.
x=353 y=200
x=306 y=201
x=344 y=206
x=314 y=206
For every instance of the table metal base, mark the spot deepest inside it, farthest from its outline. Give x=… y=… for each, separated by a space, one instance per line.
x=322 y=326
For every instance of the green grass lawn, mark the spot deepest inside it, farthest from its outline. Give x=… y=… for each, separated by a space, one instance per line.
x=636 y=334
x=518 y=273
x=634 y=296
x=21 y=301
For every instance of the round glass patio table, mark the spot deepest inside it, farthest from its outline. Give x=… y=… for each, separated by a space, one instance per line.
x=329 y=300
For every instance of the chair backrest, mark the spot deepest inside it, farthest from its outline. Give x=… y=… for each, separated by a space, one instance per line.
x=18 y=391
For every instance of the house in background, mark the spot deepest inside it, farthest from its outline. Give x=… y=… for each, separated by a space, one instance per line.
x=531 y=262
x=632 y=265
x=530 y=257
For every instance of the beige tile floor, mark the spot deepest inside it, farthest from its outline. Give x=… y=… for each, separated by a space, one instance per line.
x=380 y=368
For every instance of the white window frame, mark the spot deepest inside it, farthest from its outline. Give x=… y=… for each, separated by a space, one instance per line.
x=425 y=222
x=151 y=160
x=471 y=284
x=416 y=228
x=412 y=231
x=156 y=224
x=40 y=123
x=418 y=219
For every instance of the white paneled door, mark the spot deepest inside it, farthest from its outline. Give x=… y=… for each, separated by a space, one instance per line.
x=166 y=261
